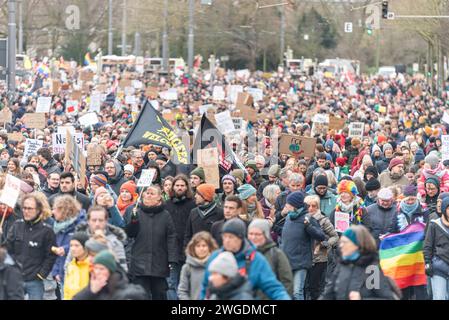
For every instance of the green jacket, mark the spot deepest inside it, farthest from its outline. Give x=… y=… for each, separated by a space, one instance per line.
x=327 y=203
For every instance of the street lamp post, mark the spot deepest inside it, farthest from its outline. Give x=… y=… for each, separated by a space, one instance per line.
x=165 y=39
x=124 y=29
x=20 y=27
x=110 y=33
x=12 y=33
x=191 y=35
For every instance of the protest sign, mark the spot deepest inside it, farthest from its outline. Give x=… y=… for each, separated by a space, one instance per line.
x=59 y=141
x=233 y=91
x=297 y=146
x=169 y=95
x=445 y=147
x=356 y=129
x=71 y=107
x=86 y=76
x=256 y=93
x=137 y=84
x=95 y=154
x=244 y=99
x=320 y=124
x=308 y=86
x=336 y=123
x=238 y=123
x=16 y=136
x=75 y=156
x=130 y=100
x=152 y=92
x=35 y=120
x=206 y=107
x=146 y=178
x=284 y=86
x=224 y=122
x=43 y=104
x=218 y=93
x=95 y=103
x=89 y=119
x=208 y=160
x=123 y=83
x=155 y=104
x=31 y=147
x=55 y=87
x=445 y=117
x=341 y=221
x=5 y=115
x=76 y=95
x=11 y=191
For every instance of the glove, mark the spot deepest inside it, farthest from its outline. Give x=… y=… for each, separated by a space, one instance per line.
x=429 y=270
x=402 y=222
x=325 y=244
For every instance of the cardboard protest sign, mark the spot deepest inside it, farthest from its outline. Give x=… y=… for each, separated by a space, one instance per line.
x=43 y=104
x=89 y=119
x=224 y=122
x=244 y=99
x=356 y=129
x=233 y=91
x=11 y=191
x=297 y=146
x=123 y=83
x=336 y=123
x=5 y=115
x=55 y=87
x=146 y=178
x=31 y=147
x=445 y=147
x=95 y=103
x=208 y=160
x=16 y=136
x=86 y=76
x=35 y=120
x=75 y=156
x=152 y=92
x=341 y=221
x=76 y=95
x=320 y=124
x=130 y=100
x=284 y=86
x=95 y=154
x=102 y=88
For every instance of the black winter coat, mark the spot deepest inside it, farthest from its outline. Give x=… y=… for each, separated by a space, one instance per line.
x=29 y=243
x=49 y=192
x=11 y=282
x=381 y=221
x=180 y=210
x=238 y=288
x=354 y=276
x=82 y=199
x=7 y=224
x=154 y=245
x=116 y=181
x=198 y=222
x=436 y=247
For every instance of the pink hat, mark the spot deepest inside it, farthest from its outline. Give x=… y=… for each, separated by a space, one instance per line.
x=99 y=191
x=395 y=162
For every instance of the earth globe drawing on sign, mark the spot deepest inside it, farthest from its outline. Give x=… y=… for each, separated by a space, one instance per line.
x=295 y=149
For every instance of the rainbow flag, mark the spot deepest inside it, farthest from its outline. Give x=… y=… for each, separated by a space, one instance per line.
x=87 y=59
x=401 y=256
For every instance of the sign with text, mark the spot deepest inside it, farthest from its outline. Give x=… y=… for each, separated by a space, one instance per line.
x=95 y=154
x=89 y=119
x=146 y=178
x=31 y=147
x=341 y=221
x=224 y=122
x=11 y=191
x=356 y=129
x=5 y=115
x=59 y=141
x=35 y=120
x=297 y=146
x=336 y=123
x=208 y=160
x=43 y=105
x=445 y=147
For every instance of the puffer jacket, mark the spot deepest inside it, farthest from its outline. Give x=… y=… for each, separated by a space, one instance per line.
x=380 y=221
x=440 y=172
x=192 y=274
x=352 y=276
x=76 y=278
x=436 y=247
x=320 y=253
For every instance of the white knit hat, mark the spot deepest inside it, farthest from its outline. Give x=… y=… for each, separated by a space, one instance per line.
x=129 y=167
x=224 y=264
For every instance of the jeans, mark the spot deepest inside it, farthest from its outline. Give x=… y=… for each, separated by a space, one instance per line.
x=440 y=288
x=34 y=289
x=299 y=280
x=173 y=282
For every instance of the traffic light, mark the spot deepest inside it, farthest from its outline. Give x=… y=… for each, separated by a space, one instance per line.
x=384 y=9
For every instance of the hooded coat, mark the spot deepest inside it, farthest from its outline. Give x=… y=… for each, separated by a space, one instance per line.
x=117 y=180
x=192 y=274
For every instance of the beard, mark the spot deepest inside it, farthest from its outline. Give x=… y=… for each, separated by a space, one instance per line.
x=180 y=194
x=397 y=175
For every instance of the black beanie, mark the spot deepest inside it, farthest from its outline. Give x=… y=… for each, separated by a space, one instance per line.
x=81 y=237
x=372 y=184
x=320 y=180
x=371 y=170
x=235 y=226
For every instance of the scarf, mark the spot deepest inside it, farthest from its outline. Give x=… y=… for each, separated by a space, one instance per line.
x=60 y=226
x=122 y=205
x=204 y=210
x=252 y=210
x=407 y=208
x=355 y=209
x=268 y=204
x=352 y=257
x=295 y=214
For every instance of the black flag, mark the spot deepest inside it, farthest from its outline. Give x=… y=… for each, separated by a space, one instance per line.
x=151 y=128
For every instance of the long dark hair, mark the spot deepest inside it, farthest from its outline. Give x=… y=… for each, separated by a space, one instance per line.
x=183 y=177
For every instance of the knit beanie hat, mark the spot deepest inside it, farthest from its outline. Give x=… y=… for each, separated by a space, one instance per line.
x=443 y=195
x=81 y=237
x=246 y=191
x=129 y=167
x=274 y=170
x=131 y=187
x=99 y=180
x=372 y=184
x=224 y=264
x=372 y=170
x=433 y=180
x=106 y=258
x=341 y=161
x=432 y=160
x=347 y=186
x=381 y=138
x=350 y=234
x=376 y=148
x=385 y=194
x=100 y=191
x=395 y=162
x=229 y=177
x=296 y=199
x=263 y=225
x=386 y=147
x=251 y=164
x=236 y=227
x=95 y=246
x=320 y=180
x=199 y=172
x=207 y=191
x=410 y=191
x=238 y=174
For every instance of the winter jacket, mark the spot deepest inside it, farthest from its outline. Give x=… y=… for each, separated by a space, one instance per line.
x=419 y=215
x=7 y=224
x=82 y=199
x=51 y=167
x=320 y=252
x=440 y=172
x=352 y=276
x=154 y=246
x=297 y=239
x=116 y=238
x=279 y=264
x=368 y=201
x=436 y=247
x=116 y=181
x=260 y=274
x=169 y=170
x=327 y=202
x=382 y=165
x=386 y=180
x=76 y=277
x=29 y=243
x=63 y=238
x=279 y=206
x=11 y=281
x=192 y=274
x=198 y=222
x=49 y=192
x=380 y=221
x=180 y=209
x=238 y=288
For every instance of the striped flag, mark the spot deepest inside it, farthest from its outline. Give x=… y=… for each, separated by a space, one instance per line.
x=401 y=256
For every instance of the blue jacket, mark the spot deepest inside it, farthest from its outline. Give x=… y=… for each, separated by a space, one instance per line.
x=260 y=276
x=63 y=240
x=298 y=237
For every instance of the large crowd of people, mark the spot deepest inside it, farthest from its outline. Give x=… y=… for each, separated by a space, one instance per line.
x=281 y=226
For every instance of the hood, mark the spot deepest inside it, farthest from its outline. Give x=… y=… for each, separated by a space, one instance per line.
x=195 y=262
x=267 y=246
x=444 y=204
x=118 y=174
x=110 y=229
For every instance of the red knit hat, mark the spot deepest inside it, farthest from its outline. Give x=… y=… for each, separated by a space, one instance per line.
x=207 y=191
x=395 y=162
x=381 y=138
x=131 y=187
x=341 y=161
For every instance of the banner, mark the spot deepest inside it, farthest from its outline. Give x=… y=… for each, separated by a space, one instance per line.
x=151 y=128
x=297 y=146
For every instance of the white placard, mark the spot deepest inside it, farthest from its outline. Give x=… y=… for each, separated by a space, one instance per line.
x=224 y=122
x=155 y=104
x=256 y=93
x=356 y=129
x=43 y=105
x=59 y=141
x=243 y=74
x=445 y=117
x=238 y=123
x=63 y=129
x=95 y=103
x=11 y=191
x=341 y=221
x=146 y=178
x=89 y=119
x=31 y=147
x=308 y=86
x=321 y=118
x=137 y=84
x=233 y=91
x=129 y=91
x=169 y=95
x=352 y=90
x=445 y=147
x=206 y=107
x=130 y=100
x=71 y=107
x=218 y=94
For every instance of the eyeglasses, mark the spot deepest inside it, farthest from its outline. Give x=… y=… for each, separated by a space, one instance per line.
x=28 y=209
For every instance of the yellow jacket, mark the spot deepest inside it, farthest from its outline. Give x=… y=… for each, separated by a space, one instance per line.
x=76 y=278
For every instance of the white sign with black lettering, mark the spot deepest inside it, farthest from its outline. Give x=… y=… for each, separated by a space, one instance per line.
x=445 y=147
x=356 y=129
x=31 y=147
x=146 y=178
x=59 y=141
x=43 y=105
x=11 y=191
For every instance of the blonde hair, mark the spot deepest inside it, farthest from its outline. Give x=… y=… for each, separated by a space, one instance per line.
x=68 y=205
x=41 y=204
x=312 y=198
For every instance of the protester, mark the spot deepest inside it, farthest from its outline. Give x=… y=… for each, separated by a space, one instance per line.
x=67 y=187
x=128 y=196
x=327 y=198
x=11 y=286
x=251 y=208
x=349 y=202
x=77 y=271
